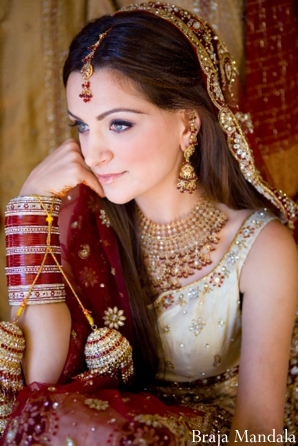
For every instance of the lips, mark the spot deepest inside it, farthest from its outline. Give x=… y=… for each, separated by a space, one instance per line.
x=109 y=178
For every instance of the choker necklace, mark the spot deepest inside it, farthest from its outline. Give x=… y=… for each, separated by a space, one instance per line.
x=175 y=250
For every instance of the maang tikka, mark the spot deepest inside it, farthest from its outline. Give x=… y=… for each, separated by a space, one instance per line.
x=87 y=69
x=187 y=178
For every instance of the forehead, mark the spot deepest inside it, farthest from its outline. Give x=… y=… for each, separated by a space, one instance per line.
x=106 y=85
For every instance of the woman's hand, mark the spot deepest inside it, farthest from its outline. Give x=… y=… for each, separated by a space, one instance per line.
x=60 y=172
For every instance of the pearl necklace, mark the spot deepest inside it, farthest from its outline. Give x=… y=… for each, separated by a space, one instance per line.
x=175 y=250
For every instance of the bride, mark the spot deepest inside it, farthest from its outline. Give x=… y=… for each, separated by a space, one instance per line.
x=171 y=257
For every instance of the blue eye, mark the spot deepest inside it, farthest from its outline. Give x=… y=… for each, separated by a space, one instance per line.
x=118 y=125
x=82 y=127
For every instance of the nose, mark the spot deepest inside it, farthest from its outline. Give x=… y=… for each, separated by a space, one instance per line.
x=95 y=154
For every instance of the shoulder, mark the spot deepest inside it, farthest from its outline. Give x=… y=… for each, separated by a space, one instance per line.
x=273 y=256
x=275 y=241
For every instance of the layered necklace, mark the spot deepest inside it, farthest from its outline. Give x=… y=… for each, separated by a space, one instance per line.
x=173 y=251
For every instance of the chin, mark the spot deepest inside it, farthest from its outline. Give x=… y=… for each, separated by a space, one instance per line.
x=119 y=198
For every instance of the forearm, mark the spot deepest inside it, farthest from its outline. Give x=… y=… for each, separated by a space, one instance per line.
x=256 y=421
x=35 y=286
x=47 y=332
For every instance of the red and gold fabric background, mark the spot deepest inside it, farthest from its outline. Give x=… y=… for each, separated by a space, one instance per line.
x=271 y=85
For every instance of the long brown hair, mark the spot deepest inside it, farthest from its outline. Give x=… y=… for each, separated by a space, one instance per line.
x=164 y=67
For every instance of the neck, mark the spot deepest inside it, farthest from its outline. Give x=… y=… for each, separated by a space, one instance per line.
x=174 y=250
x=163 y=210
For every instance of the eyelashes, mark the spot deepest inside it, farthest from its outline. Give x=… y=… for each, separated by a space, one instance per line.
x=117 y=125
x=81 y=126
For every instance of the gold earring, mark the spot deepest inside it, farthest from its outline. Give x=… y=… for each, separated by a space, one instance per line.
x=187 y=178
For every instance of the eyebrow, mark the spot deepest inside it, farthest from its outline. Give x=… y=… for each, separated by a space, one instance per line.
x=109 y=112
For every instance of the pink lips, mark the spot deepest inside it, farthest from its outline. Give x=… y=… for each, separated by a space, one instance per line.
x=109 y=178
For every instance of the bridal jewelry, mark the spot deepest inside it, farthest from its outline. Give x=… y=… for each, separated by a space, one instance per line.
x=107 y=351
x=175 y=250
x=213 y=56
x=87 y=69
x=187 y=178
x=12 y=341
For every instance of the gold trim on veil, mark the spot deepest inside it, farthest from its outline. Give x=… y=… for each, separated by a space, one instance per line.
x=220 y=75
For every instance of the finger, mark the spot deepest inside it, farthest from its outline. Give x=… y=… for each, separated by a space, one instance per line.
x=92 y=182
x=89 y=179
x=62 y=193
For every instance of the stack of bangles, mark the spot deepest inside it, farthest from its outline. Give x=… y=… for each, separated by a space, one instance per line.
x=32 y=235
x=33 y=276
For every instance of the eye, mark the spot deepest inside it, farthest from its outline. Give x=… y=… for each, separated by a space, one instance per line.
x=118 y=125
x=82 y=127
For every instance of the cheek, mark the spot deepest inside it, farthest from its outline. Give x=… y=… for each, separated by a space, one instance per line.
x=82 y=144
x=139 y=153
x=150 y=152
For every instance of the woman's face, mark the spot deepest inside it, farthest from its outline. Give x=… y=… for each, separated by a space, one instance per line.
x=132 y=146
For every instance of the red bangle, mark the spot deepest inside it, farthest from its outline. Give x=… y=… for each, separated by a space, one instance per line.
x=28 y=259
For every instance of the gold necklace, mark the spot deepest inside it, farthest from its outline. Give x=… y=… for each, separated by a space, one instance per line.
x=175 y=250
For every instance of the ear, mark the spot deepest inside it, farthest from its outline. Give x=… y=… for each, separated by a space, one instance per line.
x=186 y=128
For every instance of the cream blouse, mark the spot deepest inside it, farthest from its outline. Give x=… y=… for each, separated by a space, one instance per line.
x=200 y=324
